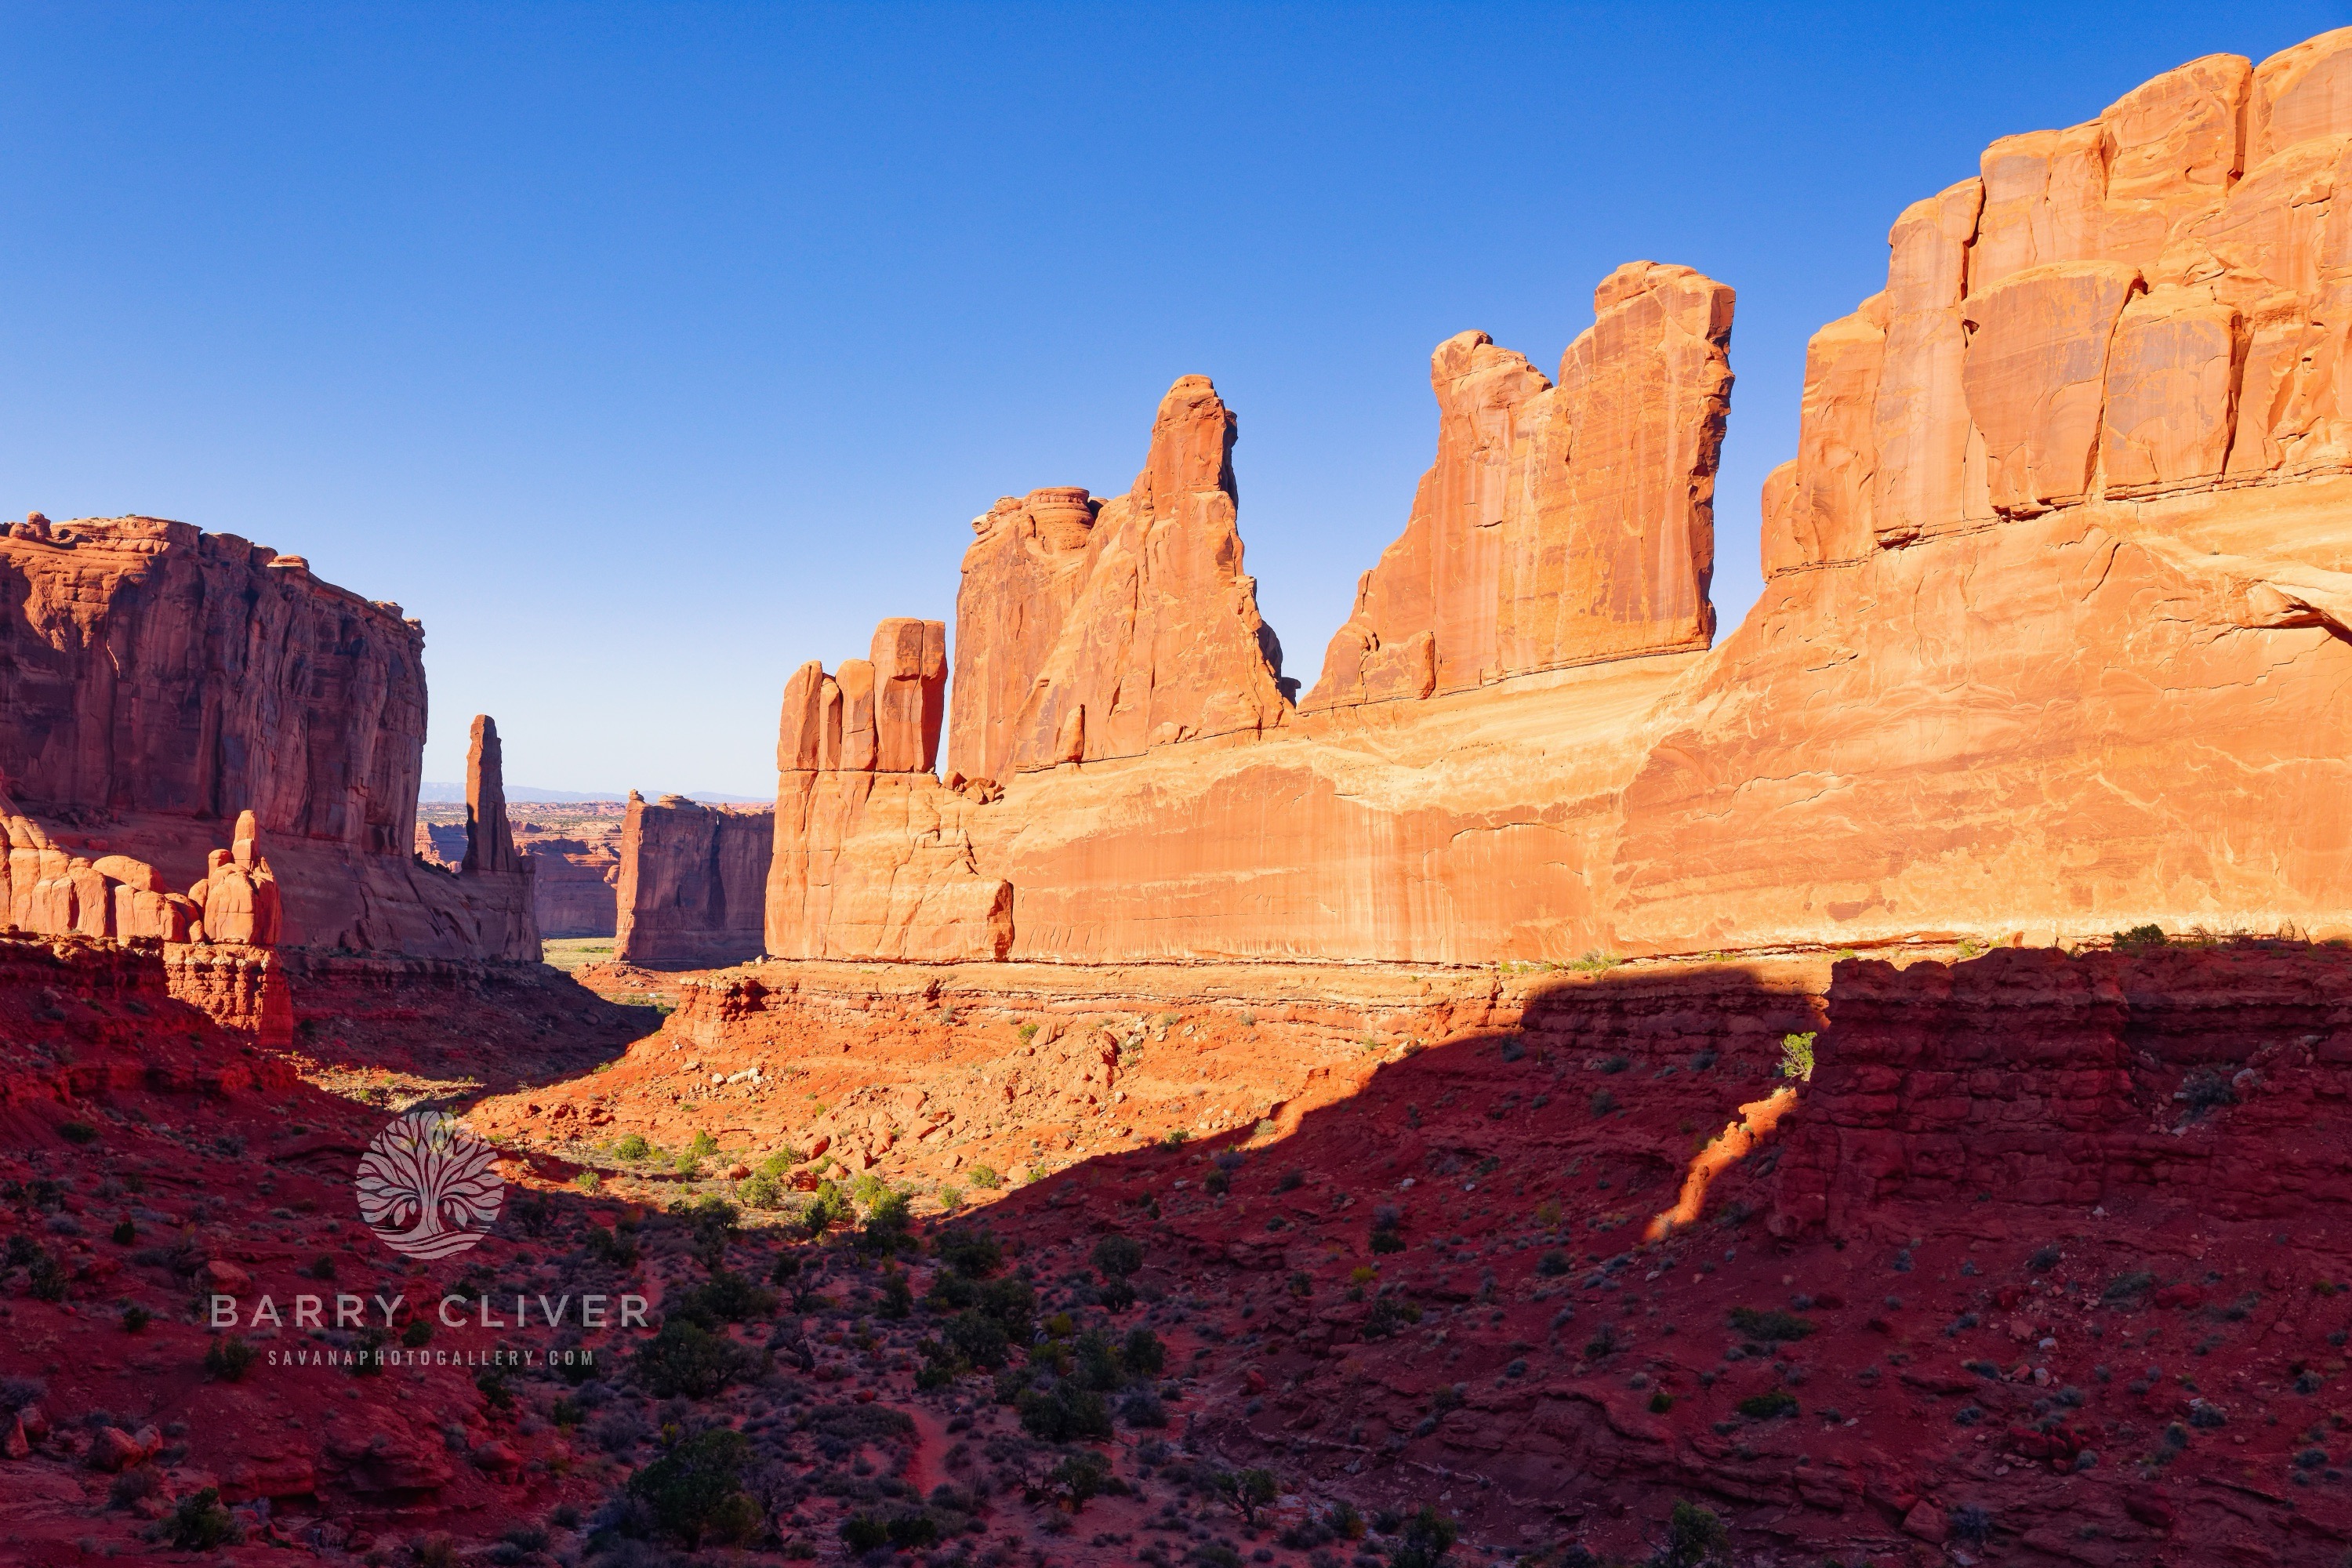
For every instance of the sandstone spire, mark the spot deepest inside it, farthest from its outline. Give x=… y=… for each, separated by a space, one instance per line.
x=490 y=842
x=1559 y=525
x=1163 y=640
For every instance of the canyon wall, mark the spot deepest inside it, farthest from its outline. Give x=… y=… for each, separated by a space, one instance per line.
x=160 y=680
x=693 y=883
x=2051 y=643
x=2071 y=1082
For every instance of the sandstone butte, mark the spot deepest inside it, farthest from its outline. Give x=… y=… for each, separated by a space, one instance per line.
x=2052 y=642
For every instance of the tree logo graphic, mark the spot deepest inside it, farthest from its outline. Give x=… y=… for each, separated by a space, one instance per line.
x=427 y=1186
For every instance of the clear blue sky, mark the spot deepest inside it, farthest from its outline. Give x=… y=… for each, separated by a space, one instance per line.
x=645 y=352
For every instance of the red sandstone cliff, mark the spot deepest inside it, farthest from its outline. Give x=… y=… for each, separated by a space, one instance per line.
x=1559 y=525
x=574 y=881
x=693 y=883
x=159 y=679
x=869 y=857
x=2053 y=641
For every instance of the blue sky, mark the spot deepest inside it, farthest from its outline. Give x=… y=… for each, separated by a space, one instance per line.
x=645 y=352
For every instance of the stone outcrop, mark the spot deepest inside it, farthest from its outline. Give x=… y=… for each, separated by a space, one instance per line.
x=497 y=880
x=2066 y=1082
x=1021 y=577
x=68 y=884
x=869 y=859
x=2051 y=643
x=1091 y=631
x=693 y=883
x=159 y=681
x=1559 y=525
x=2136 y=307
x=489 y=840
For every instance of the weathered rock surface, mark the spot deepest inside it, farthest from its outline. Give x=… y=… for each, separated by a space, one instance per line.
x=1162 y=641
x=1021 y=577
x=489 y=840
x=867 y=858
x=495 y=879
x=159 y=679
x=693 y=883
x=2053 y=641
x=1559 y=525
x=575 y=881
x=2132 y=307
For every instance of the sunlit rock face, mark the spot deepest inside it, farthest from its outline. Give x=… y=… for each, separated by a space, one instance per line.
x=2053 y=640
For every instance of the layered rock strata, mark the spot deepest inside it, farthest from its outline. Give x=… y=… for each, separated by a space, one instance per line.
x=575 y=883
x=159 y=679
x=2053 y=643
x=693 y=883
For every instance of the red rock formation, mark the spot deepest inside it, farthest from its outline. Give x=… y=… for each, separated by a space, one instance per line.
x=867 y=855
x=2127 y=308
x=159 y=679
x=495 y=879
x=575 y=881
x=1559 y=525
x=489 y=841
x=693 y=883
x=160 y=668
x=2053 y=641
x=1163 y=641
x=45 y=887
x=443 y=843
x=1021 y=577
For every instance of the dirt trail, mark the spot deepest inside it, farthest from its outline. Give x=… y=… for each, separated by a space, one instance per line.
x=927 y=1469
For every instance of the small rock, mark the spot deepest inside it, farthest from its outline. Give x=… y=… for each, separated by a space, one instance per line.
x=1926 y=1523
x=497 y=1458
x=114 y=1450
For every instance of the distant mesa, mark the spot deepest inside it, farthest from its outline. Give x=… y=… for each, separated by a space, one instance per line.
x=432 y=793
